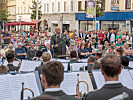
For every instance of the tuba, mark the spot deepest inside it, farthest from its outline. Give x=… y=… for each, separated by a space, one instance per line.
x=22 y=91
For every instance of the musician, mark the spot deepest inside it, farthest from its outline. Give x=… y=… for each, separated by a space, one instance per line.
x=45 y=57
x=111 y=68
x=10 y=59
x=73 y=59
x=52 y=76
x=125 y=62
x=59 y=42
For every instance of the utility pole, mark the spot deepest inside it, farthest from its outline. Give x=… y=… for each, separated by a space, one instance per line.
x=37 y=15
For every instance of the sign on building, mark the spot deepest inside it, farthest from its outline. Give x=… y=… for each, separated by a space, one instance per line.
x=90 y=9
x=115 y=5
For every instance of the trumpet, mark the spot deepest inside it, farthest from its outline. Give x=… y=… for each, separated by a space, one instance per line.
x=77 y=86
x=22 y=91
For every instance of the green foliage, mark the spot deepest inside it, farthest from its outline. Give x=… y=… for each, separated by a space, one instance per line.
x=3 y=14
x=33 y=8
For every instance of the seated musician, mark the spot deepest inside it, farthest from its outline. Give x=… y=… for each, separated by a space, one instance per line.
x=125 y=62
x=52 y=76
x=73 y=59
x=110 y=68
x=10 y=60
x=45 y=57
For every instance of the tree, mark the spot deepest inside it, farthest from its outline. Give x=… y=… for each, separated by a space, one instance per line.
x=33 y=8
x=3 y=15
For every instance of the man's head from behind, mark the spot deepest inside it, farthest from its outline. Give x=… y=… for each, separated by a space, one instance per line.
x=73 y=54
x=111 y=66
x=124 y=61
x=46 y=56
x=52 y=74
x=10 y=57
x=91 y=59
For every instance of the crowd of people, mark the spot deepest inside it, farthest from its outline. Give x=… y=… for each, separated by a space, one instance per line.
x=99 y=47
x=26 y=44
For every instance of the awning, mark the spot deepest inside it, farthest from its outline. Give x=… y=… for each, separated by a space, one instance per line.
x=18 y=23
x=34 y=21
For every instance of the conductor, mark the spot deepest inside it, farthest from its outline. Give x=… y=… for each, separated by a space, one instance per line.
x=59 y=42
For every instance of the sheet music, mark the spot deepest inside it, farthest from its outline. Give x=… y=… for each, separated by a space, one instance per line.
x=69 y=83
x=76 y=66
x=65 y=66
x=71 y=80
x=5 y=91
x=29 y=65
x=131 y=64
x=125 y=79
x=63 y=60
x=15 y=63
x=83 y=60
x=99 y=79
x=84 y=76
x=11 y=86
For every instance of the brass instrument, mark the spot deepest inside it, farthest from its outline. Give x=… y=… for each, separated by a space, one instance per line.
x=22 y=91
x=77 y=86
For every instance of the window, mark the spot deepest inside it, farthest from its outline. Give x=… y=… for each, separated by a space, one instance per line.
x=127 y=4
x=58 y=6
x=18 y=10
x=65 y=6
x=71 y=5
x=52 y=7
x=79 y=5
x=24 y=9
x=47 y=7
x=44 y=7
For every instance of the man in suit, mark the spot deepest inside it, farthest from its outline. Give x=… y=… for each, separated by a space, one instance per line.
x=81 y=35
x=111 y=68
x=48 y=49
x=73 y=58
x=59 y=42
x=45 y=57
x=52 y=76
x=10 y=59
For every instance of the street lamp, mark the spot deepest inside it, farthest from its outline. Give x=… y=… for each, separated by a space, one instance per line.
x=20 y=23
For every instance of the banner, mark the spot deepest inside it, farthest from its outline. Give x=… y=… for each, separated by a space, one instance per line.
x=115 y=5
x=90 y=9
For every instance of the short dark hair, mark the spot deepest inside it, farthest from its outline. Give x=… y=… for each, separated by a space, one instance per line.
x=73 y=54
x=125 y=61
x=53 y=72
x=111 y=65
x=91 y=58
x=97 y=65
x=99 y=53
x=38 y=53
x=9 y=57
